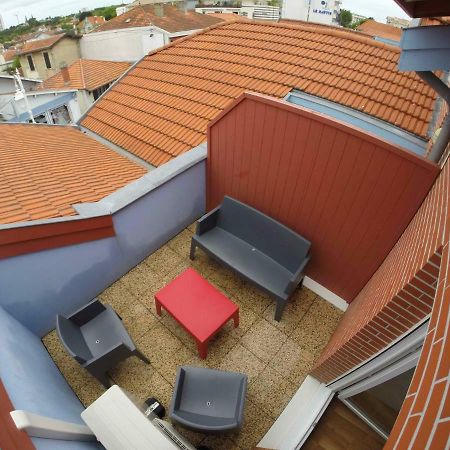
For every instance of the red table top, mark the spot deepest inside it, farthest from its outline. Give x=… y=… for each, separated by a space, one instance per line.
x=196 y=304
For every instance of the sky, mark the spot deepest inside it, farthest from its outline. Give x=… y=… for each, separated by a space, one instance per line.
x=40 y=9
x=378 y=9
x=44 y=8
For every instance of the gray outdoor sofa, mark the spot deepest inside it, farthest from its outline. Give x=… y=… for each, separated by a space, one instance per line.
x=260 y=249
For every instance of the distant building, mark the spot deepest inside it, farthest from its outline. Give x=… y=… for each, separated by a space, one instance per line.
x=6 y=59
x=257 y=12
x=2 y=23
x=397 y=22
x=42 y=58
x=358 y=17
x=90 y=23
x=90 y=79
x=381 y=31
x=319 y=11
x=140 y=30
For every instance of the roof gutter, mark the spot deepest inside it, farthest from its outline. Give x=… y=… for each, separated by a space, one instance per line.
x=443 y=91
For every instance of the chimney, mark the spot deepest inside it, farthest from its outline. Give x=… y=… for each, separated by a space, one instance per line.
x=158 y=8
x=65 y=73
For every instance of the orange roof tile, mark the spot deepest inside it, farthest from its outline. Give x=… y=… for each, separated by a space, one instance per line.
x=45 y=169
x=174 y=19
x=9 y=54
x=161 y=108
x=94 y=20
x=87 y=74
x=42 y=44
x=382 y=30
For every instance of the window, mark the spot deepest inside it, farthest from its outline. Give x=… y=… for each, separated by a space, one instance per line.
x=48 y=64
x=98 y=92
x=41 y=118
x=31 y=63
x=60 y=115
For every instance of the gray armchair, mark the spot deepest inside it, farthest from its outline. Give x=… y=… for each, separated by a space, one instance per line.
x=207 y=400
x=95 y=336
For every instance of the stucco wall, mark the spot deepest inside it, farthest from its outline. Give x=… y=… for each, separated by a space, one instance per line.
x=35 y=287
x=122 y=45
x=66 y=51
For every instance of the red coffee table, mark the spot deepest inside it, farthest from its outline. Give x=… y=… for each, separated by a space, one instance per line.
x=197 y=306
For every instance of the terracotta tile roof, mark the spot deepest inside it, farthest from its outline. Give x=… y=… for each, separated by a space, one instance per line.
x=94 y=20
x=87 y=74
x=41 y=44
x=45 y=169
x=380 y=30
x=9 y=54
x=174 y=19
x=161 y=108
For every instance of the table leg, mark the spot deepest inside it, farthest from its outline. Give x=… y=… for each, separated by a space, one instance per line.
x=236 y=319
x=202 y=349
x=158 y=307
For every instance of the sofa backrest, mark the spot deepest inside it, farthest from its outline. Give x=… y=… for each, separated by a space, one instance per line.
x=264 y=233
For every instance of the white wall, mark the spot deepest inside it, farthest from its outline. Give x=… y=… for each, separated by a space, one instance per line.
x=310 y=10
x=122 y=45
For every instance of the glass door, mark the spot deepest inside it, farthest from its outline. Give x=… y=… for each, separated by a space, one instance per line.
x=378 y=399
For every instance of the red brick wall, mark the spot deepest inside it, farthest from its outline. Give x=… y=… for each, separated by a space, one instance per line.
x=399 y=294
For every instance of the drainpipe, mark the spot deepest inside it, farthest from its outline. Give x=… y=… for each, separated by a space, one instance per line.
x=443 y=90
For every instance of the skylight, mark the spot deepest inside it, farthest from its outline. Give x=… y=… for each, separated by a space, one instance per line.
x=350 y=116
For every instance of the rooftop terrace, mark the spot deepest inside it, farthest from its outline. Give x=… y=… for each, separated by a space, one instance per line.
x=276 y=356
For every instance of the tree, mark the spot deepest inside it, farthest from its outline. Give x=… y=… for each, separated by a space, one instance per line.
x=84 y=14
x=345 y=18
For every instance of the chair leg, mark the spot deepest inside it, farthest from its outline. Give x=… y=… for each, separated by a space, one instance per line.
x=141 y=356
x=192 y=252
x=279 y=310
x=104 y=379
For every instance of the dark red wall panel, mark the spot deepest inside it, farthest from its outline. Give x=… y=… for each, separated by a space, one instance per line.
x=348 y=192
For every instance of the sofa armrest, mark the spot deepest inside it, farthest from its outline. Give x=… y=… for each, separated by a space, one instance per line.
x=87 y=312
x=297 y=276
x=208 y=221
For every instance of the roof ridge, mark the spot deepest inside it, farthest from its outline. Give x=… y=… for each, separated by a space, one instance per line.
x=83 y=81
x=346 y=34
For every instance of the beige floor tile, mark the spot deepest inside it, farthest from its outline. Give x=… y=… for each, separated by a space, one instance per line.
x=242 y=360
x=139 y=321
x=297 y=306
x=168 y=367
x=271 y=391
x=181 y=243
x=264 y=340
x=192 y=227
x=158 y=344
x=219 y=442
x=191 y=436
x=256 y=424
x=164 y=260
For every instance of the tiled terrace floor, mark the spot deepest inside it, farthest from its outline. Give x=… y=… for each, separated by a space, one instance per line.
x=276 y=356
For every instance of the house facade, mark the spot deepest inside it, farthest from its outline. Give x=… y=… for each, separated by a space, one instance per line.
x=140 y=30
x=42 y=58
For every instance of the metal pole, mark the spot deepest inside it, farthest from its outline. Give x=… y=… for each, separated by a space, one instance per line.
x=22 y=89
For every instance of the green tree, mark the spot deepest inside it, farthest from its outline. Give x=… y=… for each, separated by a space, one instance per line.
x=84 y=14
x=345 y=18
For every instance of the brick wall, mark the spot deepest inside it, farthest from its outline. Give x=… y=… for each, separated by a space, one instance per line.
x=399 y=295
